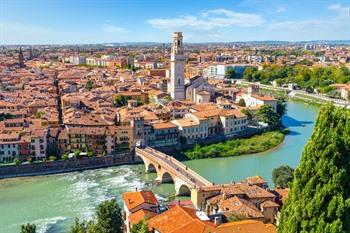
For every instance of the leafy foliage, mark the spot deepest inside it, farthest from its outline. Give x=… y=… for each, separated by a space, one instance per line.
x=236 y=147
x=241 y=103
x=140 y=227
x=16 y=161
x=4 y=116
x=319 y=200
x=121 y=100
x=266 y=114
x=109 y=220
x=28 y=228
x=282 y=176
x=89 y=84
x=281 y=106
x=230 y=72
x=306 y=77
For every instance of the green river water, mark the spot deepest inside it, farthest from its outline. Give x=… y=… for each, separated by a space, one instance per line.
x=52 y=202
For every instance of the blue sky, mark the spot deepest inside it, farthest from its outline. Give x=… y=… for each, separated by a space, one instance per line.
x=88 y=21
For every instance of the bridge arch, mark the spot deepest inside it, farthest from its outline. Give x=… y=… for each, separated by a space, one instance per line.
x=151 y=168
x=167 y=178
x=184 y=190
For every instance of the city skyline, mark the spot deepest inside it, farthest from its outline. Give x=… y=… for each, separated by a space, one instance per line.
x=64 y=22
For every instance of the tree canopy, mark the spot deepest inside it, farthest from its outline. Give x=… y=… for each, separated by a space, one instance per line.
x=266 y=114
x=121 y=100
x=89 y=84
x=141 y=227
x=305 y=77
x=108 y=220
x=319 y=200
x=282 y=176
x=230 y=72
x=28 y=228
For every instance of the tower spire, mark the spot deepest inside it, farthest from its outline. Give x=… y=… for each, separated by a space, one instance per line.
x=21 y=58
x=177 y=81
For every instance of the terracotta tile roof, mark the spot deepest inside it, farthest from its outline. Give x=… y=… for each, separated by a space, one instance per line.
x=172 y=220
x=239 y=207
x=164 y=125
x=134 y=199
x=196 y=226
x=246 y=226
x=139 y=215
x=268 y=203
x=185 y=122
x=254 y=180
x=283 y=193
x=264 y=97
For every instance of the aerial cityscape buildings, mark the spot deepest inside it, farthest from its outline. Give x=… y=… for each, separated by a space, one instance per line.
x=232 y=118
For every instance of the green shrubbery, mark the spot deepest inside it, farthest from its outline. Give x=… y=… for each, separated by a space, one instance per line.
x=258 y=143
x=319 y=200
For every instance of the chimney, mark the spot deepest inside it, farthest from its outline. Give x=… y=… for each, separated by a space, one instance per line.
x=217 y=221
x=136 y=189
x=129 y=201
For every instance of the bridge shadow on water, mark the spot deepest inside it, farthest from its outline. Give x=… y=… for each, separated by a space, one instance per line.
x=292 y=122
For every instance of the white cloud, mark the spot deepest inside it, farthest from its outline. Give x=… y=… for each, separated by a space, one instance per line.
x=208 y=20
x=281 y=9
x=336 y=27
x=339 y=8
x=112 y=29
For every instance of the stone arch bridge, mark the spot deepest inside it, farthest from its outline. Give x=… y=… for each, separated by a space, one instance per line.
x=170 y=170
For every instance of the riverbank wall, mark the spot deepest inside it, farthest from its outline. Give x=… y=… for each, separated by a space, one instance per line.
x=54 y=167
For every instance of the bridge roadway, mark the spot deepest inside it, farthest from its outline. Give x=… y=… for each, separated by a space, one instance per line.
x=175 y=168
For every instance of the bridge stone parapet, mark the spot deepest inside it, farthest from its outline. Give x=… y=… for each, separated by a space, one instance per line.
x=170 y=170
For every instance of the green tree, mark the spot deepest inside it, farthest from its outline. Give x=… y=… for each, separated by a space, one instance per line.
x=77 y=154
x=281 y=106
x=17 y=161
x=65 y=156
x=83 y=227
x=241 y=103
x=141 y=227
x=78 y=227
x=52 y=158
x=89 y=84
x=266 y=114
x=319 y=200
x=38 y=114
x=282 y=176
x=248 y=113
x=109 y=217
x=4 y=116
x=121 y=100
x=139 y=101
x=28 y=228
x=230 y=72
x=250 y=73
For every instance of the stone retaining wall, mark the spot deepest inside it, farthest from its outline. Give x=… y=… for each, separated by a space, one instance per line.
x=54 y=167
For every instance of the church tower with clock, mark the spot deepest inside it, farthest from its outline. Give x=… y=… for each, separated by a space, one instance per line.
x=176 y=87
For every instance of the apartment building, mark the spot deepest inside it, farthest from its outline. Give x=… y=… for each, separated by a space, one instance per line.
x=164 y=135
x=38 y=143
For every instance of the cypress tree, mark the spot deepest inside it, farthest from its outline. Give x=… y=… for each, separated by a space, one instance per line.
x=319 y=200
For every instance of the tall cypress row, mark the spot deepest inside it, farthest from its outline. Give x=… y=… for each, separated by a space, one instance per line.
x=319 y=200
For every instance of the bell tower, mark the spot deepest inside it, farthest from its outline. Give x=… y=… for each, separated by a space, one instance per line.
x=21 y=58
x=176 y=86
